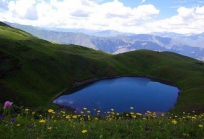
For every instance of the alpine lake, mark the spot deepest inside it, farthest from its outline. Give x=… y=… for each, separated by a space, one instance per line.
x=141 y=93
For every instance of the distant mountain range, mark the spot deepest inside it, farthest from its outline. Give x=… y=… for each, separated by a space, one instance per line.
x=116 y=42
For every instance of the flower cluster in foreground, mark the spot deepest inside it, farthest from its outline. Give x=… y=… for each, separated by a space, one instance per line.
x=50 y=123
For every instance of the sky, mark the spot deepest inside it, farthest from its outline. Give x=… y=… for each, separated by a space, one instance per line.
x=133 y=16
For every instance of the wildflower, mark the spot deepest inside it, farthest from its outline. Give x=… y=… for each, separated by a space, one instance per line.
x=50 y=110
x=112 y=109
x=201 y=126
x=85 y=108
x=96 y=118
x=174 y=121
x=33 y=113
x=1 y=117
x=26 y=110
x=193 y=117
x=82 y=112
x=185 y=134
x=49 y=128
x=144 y=118
x=12 y=120
x=88 y=111
x=18 y=124
x=133 y=116
x=98 y=111
x=67 y=117
x=42 y=121
x=162 y=114
x=131 y=113
x=139 y=114
x=74 y=116
x=131 y=108
x=7 y=104
x=84 y=131
x=63 y=112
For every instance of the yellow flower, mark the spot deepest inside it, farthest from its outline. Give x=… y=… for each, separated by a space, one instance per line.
x=42 y=121
x=63 y=112
x=201 y=126
x=33 y=113
x=96 y=118
x=26 y=110
x=85 y=108
x=139 y=114
x=144 y=118
x=74 y=116
x=88 y=111
x=49 y=128
x=174 y=121
x=67 y=117
x=98 y=111
x=112 y=109
x=131 y=113
x=193 y=117
x=50 y=111
x=133 y=116
x=84 y=131
x=162 y=114
x=81 y=112
x=18 y=125
x=131 y=108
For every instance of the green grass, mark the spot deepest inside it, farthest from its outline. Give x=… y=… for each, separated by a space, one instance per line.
x=43 y=124
x=33 y=71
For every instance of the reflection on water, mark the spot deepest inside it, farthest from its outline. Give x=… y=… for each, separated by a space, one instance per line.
x=121 y=93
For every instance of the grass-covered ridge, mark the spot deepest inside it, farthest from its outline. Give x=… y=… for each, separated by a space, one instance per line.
x=32 y=70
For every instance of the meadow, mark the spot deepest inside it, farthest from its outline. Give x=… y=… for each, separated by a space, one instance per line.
x=16 y=122
x=33 y=71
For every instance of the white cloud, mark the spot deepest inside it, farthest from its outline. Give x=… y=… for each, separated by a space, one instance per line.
x=78 y=14
x=90 y=14
x=187 y=21
x=143 y=1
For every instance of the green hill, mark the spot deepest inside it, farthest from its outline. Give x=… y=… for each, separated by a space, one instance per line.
x=32 y=71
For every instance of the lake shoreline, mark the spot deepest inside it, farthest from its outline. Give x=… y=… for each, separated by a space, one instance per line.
x=91 y=80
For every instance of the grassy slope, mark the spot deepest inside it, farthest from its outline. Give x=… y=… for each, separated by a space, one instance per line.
x=33 y=70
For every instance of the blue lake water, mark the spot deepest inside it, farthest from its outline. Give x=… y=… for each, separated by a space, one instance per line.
x=120 y=94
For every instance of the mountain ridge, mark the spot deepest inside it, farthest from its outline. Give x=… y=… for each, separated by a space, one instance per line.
x=123 y=42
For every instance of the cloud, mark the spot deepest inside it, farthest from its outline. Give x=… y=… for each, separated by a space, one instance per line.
x=187 y=21
x=3 y=5
x=80 y=14
x=31 y=14
x=143 y=1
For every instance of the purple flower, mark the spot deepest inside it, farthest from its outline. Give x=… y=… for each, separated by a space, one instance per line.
x=7 y=104
x=1 y=117
x=12 y=120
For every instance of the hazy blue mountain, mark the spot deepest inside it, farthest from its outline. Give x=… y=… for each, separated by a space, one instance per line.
x=116 y=42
